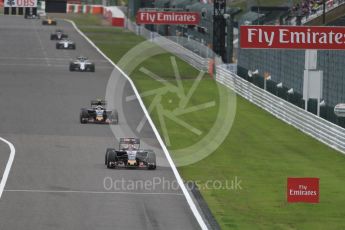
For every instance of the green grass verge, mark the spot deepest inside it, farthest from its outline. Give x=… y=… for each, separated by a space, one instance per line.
x=260 y=150
x=87 y=20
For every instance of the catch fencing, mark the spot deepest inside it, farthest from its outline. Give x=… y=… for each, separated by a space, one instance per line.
x=180 y=46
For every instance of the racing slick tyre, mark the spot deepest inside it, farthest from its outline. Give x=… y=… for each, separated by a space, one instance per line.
x=92 y=68
x=84 y=115
x=109 y=150
x=111 y=159
x=52 y=37
x=58 y=46
x=73 y=47
x=44 y=23
x=151 y=160
x=71 y=67
x=115 y=117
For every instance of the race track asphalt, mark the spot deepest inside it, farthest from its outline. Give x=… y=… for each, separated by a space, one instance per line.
x=57 y=178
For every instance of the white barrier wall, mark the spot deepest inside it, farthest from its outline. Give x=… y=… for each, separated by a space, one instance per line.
x=321 y=129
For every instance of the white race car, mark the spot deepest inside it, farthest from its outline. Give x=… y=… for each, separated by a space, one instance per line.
x=65 y=44
x=82 y=64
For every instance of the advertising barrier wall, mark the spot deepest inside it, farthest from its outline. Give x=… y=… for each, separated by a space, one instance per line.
x=79 y=8
x=112 y=13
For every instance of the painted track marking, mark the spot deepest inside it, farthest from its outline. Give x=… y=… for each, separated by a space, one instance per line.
x=49 y=58
x=91 y=192
x=41 y=45
x=8 y=165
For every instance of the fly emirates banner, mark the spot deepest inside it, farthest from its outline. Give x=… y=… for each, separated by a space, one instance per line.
x=292 y=37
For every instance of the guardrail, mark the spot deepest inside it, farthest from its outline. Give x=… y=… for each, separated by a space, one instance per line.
x=321 y=129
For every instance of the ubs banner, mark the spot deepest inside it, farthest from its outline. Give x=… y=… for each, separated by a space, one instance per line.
x=292 y=37
x=20 y=3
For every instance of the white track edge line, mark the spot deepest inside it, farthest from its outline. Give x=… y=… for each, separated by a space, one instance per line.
x=8 y=165
x=189 y=199
x=92 y=192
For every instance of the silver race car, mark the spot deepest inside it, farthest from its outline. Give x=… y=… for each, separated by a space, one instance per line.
x=65 y=44
x=82 y=64
x=58 y=35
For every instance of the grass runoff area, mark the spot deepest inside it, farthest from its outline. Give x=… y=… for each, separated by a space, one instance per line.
x=260 y=150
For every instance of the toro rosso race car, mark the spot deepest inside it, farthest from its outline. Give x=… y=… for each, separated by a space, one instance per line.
x=65 y=44
x=49 y=21
x=58 y=35
x=130 y=155
x=98 y=114
x=82 y=64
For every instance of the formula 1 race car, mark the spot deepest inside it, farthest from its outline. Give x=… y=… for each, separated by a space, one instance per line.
x=82 y=64
x=65 y=44
x=130 y=155
x=49 y=21
x=58 y=35
x=32 y=16
x=98 y=114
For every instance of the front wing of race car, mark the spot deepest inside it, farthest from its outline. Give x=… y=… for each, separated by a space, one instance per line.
x=66 y=46
x=82 y=67
x=88 y=116
x=144 y=159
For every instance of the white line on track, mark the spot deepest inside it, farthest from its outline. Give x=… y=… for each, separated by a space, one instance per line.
x=92 y=192
x=32 y=64
x=53 y=59
x=188 y=197
x=8 y=165
x=41 y=44
x=50 y=66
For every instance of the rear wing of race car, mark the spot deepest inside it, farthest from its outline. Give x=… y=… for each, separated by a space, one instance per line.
x=98 y=102
x=129 y=140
